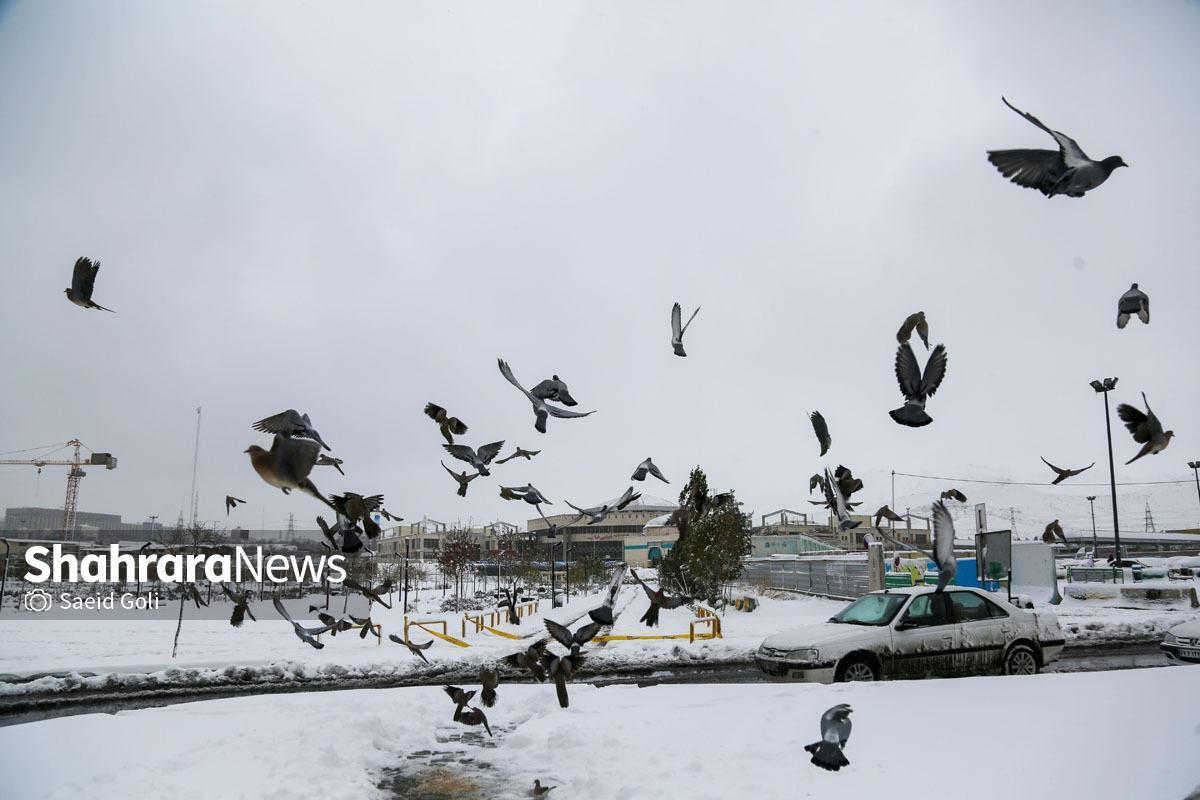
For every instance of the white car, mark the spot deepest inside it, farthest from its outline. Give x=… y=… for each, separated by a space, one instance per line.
x=1182 y=643
x=916 y=633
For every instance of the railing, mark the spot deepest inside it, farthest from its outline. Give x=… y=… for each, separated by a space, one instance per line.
x=427 y=626
x=840 y=578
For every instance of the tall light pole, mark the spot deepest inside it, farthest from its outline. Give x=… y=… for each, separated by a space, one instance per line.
x=1195 y=465
x=1092 y=503
x=1104 y=387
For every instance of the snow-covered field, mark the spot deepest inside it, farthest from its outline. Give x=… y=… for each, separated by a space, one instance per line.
x=1045 y=736
x=87 y=654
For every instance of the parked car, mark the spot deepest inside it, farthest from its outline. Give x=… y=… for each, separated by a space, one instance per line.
x=916 y=632
x=1182 y=643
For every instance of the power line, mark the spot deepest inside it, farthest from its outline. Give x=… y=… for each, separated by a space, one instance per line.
x=1034 y=483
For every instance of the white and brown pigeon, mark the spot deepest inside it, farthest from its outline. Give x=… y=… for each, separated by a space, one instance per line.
x=1146 y=429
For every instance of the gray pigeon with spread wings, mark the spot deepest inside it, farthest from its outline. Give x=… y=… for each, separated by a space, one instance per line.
x=479 y=459
x=1062 y=474
x=290 y=423
x=1133 y=302
x=554 y=388
x=678 y=329
x=943 y=545
x=1068 y=171
x=541 y=409
x=648 y=467
x=1146 y=429
x=915 y=386
x=462 y=478
x=598 y=513
x=837 y=502
x=83 y=281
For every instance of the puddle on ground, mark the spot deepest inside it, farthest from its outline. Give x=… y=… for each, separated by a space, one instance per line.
x=453 y=773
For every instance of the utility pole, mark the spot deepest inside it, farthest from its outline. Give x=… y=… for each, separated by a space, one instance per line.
x=1104 y=388
x=195 y=462
x=1092 y=503
x=1149 y=519
x=1195 y=465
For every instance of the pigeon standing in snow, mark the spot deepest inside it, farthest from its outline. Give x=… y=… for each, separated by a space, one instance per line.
x=541 y=409
x=290 y=423
x=915 y=321
x=1068 y=171
x=658 y=600
x=83 y=281
x=1146 y=429
x=915 y=386
x=287 y=464
x=677 y=330
x=538 y=790
x=645 y=467
x=231 y=502
x=821 y=430
x=1135 y=301
x=835 y=732
x=479 y=459
x=555 y=389
x=450 y=426
x=943 y=545
x=1063 y=474
x=462 y=478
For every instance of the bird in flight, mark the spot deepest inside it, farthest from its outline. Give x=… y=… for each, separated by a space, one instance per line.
x=563 y=635
x=463 y=479
x=357 y=508
x=603 y=613
x=1066 y=171
x=329 y=461
x=835 y=732
x=306 y=635
x=475 y=716
x=954 y=494
x=290 y=423
x=1054 y=533
x=241 y=606
x=837 y=502
x=658 y=601
x=597 y=514
x=1134 y=301
x=417 y=650
x=529 y=659
x=489 y=681
x=231 y=503
x=678 y=330
x=555 y=389
x=375 y=595
x=287 y=464
x=943 y=545
x=648 y=467
x=1063 y=474
x=1146 y=429
x=915 y=321
x=541 y=409
x=450 y=426
x=83 y=281
x=915 y=386
x=478 y=459
x=520 y=453
x=561 y=669
x=821 y=430
x=885 y=512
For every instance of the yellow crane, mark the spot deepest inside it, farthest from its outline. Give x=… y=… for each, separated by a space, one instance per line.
x=75 y=474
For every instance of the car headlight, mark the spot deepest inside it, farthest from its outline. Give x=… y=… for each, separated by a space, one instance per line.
x=1169 y=638
x=804 y=655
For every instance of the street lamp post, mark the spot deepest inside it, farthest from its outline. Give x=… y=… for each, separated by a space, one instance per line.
x=1104 y=387
x=1195 y=465
x=1092 y=504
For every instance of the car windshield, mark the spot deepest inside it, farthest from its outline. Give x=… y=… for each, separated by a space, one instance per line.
x=871 y=609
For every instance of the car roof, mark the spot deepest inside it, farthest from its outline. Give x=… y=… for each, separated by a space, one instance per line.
x=913 y=590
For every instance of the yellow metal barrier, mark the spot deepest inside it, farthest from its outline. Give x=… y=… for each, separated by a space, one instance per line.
x=705 y=618
x=423 y=625
x=499 y=632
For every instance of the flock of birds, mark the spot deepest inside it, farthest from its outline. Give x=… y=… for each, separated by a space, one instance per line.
x=296 y=448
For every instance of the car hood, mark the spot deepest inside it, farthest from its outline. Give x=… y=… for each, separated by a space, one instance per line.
x=1190 y=630
x=823 y=635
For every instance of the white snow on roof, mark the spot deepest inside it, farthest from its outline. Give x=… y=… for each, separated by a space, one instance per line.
x=647 y=502
x=659 y=522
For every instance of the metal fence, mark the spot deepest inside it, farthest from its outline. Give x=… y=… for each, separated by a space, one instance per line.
x=841 y=578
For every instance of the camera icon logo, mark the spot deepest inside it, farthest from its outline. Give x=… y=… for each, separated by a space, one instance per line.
x=37 y=601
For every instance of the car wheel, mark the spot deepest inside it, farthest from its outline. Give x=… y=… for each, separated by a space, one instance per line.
x=1021 y=660
x=857 y=668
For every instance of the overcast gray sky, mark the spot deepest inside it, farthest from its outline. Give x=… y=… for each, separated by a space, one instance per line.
x=352 y=209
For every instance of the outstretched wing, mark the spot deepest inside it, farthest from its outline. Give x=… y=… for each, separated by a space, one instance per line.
x=282 y=611
x=676 y=322
x=1051 y=466
x=626 y=499
x=83 y=278
x=943 y=535
x=821 y=430
x=561 y=633
x=1137 y=422
x=489 y=451
x=435 y=412
x=689 y=322
x=908 y=374
x=461 y=452
x=506 y=371
x=285 y=423
x=563 y=413
x=1070 y=151
x=935 y=371
x=587 y=632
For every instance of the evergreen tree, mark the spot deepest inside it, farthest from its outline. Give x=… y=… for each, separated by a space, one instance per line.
x=713 y=539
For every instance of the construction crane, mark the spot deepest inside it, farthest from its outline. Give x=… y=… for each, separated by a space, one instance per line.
x=74 y=475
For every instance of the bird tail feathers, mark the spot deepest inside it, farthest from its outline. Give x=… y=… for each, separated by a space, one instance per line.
x=827 y=755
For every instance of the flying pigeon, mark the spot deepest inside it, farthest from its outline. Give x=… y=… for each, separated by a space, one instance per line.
x=541 y=409
x=83 y=281
x=915 y=321
x=509 y=603
x=290 y=423
x=915 y=386
x=305 y=635
x=837 y=503
x=529 y=659
x=1146 y=429
x=351 y=543
x=1135 y=301
x=835 y=732
x=462 y=477
x=563 y=635
x=1063 y=474
x=475 y=716
x=479 y=459
x=846 y=481
x=459 y=697
x=604 y=612
x=529 y=493
x=954 y=494
x=329 y=461
x=450 y=426
x=520 y=453
x=1068 y=171
x=648 y=466
x=231 y=502
x=389 y=517
x=554 y=389
x=241 y=606
x=814 y=482
x=375 y=595
x=337 y=625
x=287 y=464
x=1054 y=532
x=365 y=626
x=943 y=545
x=821 y=430
x=885 y=512
x=538 y=790
x=658 y=600
x=358 y=508
x=417 y=650
x=489 y=681
x=677 y=331
x=561 y=669
x=598 y=514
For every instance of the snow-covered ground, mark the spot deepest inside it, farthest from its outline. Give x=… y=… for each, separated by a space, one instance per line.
x=99 y=654
x=1045 y=736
